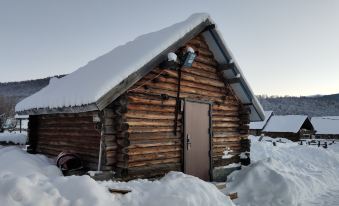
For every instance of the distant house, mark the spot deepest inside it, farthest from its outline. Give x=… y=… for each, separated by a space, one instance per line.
x=292 y=127
x=257 y=127
x=169 y=100
x=326 y=127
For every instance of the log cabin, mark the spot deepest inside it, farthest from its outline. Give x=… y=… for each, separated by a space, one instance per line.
x=257 y=127
x=171 y=100
x=292 y=127
x=326 y=127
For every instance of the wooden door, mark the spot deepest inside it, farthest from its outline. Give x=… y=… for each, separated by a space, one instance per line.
x=197 y=139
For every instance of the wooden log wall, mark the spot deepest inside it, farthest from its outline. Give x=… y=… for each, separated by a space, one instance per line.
x=54 y=133
x=153 y=148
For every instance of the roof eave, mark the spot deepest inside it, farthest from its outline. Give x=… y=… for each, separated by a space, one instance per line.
x=73 y=109
x=241 y=87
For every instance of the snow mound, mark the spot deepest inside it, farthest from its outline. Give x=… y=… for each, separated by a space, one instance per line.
x=28 y=180
x=286 y=174
x=16 y=138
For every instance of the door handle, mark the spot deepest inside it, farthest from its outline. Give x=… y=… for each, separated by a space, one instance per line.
x=188 y=141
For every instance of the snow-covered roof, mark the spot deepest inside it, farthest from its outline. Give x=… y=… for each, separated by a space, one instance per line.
x=261 y=124
x=17 y=116
x=287 y=123
x=97 y=84
x=326 y=125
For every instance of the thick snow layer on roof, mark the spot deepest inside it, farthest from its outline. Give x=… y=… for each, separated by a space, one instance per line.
x=90 y=82
x=27 y=179
x=261 y=124
x=287 y=123
x=326 y=125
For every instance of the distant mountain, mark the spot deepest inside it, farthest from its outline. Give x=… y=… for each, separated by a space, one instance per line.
x=13 y=92
x=331 y=97
x=327 y=105
x=317 y=105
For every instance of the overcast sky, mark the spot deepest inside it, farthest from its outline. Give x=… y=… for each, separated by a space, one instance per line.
x=285 y=47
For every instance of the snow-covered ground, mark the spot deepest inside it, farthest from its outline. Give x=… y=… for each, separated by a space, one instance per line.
x=14 y=137
x=33 y=180
x=288 y=174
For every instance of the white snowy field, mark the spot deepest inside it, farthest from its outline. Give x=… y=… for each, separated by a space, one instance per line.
x=33 y=180
x=14 y=137
x=287 y=174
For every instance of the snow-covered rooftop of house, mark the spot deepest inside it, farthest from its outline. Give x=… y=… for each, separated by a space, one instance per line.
x=261 y=124
x=100 y=79
x=326 y=125
x=90 y=82
x=287 y=123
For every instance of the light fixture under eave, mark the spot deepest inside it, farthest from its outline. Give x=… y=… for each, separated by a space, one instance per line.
x=190 y=57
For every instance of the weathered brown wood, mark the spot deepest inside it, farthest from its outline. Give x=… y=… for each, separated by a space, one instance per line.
x=195 y=78
x=154 y=162
x=156 y=108
x=154 y=156
x=119 y=191
x=148 y=150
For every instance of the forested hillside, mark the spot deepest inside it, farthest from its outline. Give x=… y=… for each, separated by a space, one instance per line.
x=12 y=92
x=327 y=105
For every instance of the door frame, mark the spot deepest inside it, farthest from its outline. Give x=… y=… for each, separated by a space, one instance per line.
x=210 y=133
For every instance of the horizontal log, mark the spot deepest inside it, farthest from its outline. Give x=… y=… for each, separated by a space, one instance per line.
x=148 y=150
x=70 y=141
x=111 y=148
x=201 y=51
x=226 y=139
x=225 y=119
x=71 y=134
x=188 y=84
x=155 y=108
x=151 y=123
x=149 y=115
x=138 y=129
x=222 y=129
x=207 y=61
x=154 y=144
x=202 y=73
x=159 y=140
x=225 y=107
x=153 y=156
x=198 y=43
x=153 y=136
x=185 y=92
x=154 y=162
x=225 y=125
x=225 y=113
x=226 y=144
x=146 y=99
x=195 y=78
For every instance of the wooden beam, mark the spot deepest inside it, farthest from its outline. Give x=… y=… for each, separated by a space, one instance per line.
x=234 y=80
x=225 y=67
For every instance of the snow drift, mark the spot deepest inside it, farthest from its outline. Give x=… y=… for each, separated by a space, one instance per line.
x=288 y=174
x=27 y=179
